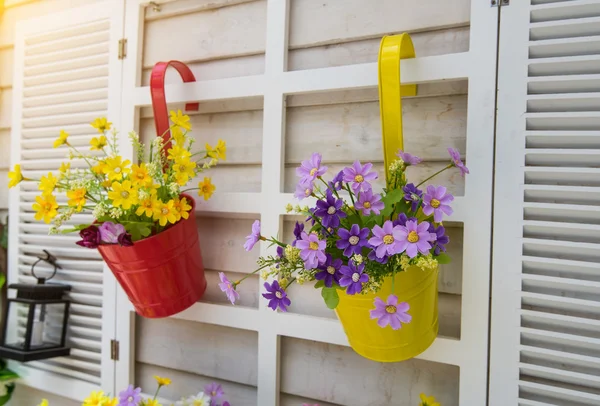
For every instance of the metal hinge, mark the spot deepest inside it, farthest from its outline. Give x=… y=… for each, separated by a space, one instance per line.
x=122 y=48
x=114 y=350
x=495 y=3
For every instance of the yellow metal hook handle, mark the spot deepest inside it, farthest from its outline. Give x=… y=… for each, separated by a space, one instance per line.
x=391 y=50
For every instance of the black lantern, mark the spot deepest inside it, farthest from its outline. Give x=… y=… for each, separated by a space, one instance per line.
x=38 y=316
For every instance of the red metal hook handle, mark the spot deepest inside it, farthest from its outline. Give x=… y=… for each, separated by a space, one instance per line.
x=159 y=100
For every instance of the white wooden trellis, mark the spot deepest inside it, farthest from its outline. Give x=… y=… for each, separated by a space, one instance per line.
x=473 y=209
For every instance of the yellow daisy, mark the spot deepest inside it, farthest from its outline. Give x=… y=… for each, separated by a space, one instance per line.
x=95 y=399
x=178 y=152
x=47 y=183
x=115 y=168
x=15 y=176
x=123 y=195
x=64 y=167
x=180 y=119
x=184 y=170
x=44 y=402
x=163 y=213
x=178 y=136
x=139 y=175
x=101 y=124
x=162 y=381
x=77 y=198
x=182 y=208
x=218 y=152
x=147 y=206
x=152 y=402
x=206 y=188
x=97 y=143
x=45 y=207
x=428 y=401
x=106 y=401
x=98 y=169
x=62 y=139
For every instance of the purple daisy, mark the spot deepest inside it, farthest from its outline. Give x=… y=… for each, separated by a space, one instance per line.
x=359 y=176
x=330 y=210
x=409 y=159
x=312 y=250
x=336 y=182
x=310 y=169
x=214 y=390
x=391 y=312
x=412 y=195
x=329 y=271
x=254 y=237
x=352 y=241
x=303 y=190
x=437 y=202
x=387 y=240
x=130 y=396
x=456 y=161
x=353 y=277
x=368 y=202
x=298 y=229
x=373 y=257
x=227 y=287
x=441 y=239
x=415 y=237
x=276 y=296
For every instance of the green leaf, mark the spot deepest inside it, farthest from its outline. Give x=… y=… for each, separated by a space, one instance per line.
x=2 y=279
x=7 y=375
x=443 y=258
x=9 y=390
x=138 y=230
x=319 y=284
x=78 y=227
x=331 y=297
x=390 y=199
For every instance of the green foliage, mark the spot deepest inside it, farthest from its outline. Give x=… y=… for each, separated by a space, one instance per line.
x=443 y=258
x=319 y=284
x=78 y=227
x=10 y=388
x=331 y=297
x=390 y=199
x=138 y=230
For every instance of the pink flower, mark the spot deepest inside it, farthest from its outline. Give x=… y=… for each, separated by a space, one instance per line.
x=387 y=240
x=414 y=238
x=254 y=237
x=311 y=168
x=227 y=287
x=456 y=161
x=409 y=159
x=359 y=176
x=391 y=312
x=368 y=202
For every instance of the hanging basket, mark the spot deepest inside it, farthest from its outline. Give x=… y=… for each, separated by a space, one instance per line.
x=162 y=275
x=416 y=287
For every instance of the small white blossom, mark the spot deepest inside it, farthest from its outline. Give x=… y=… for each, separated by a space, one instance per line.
x=116 y=212
x=358 y=259
x=100 y=210
x=289 y=208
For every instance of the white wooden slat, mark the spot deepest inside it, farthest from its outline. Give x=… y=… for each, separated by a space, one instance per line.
x=561 y=84
x=565 y=10
x=580 y=27
x=67 y=75
x=70 y=42
x=30 y=103
x=563 y=394
x=41 y=62
x=564 y=101
x=564 y=47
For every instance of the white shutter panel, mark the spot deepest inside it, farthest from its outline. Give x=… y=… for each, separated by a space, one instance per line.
x=67 y=73
x=546 y=267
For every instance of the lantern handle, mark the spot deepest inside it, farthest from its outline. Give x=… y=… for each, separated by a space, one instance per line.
x=51 y=259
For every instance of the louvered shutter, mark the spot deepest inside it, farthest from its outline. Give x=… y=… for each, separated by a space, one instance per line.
x=546 y=266
x=67 y=73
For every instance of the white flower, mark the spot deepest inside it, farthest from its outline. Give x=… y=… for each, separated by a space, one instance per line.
x=100 y=210
x=142 y=194
x=199 y=400
x=358 y=259
x=173 y=188
x=116 y=212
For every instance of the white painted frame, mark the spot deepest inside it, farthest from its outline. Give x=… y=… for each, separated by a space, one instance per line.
x=473 y=209
x=51 y=382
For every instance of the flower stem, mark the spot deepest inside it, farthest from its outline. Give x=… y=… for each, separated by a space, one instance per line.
x=273 y=240
x=248 y=275
x=156 y=393
x=435 y=174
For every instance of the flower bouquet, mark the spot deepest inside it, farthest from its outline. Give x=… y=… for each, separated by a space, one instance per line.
x=143 y=221
x=374 y=256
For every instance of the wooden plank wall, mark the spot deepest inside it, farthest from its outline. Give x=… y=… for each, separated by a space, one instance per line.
x=226 y=38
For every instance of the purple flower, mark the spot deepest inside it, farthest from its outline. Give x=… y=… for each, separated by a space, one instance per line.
x=359 y=175
x=254 y=237
x=310 y=169
x=409 y=159
x=368 y=202
x=303 y=190
x=330 y=210
x=227 y=287
x=312 y=250
x=415 y=237
x=441 y=239
x=110 y=232
x=214 y=390
x=373 y=257
x=456 y=161
x=352 y=241
x=386 y=240
x=413 y=195
x=353 y=277
x=90 y=237
x=298 y=229
x=125 y=240
x=280 y=251
x=437 y=202
x=277 y=296
x=391 y=312
x=330 y=271
x=130 y=396
x=336 y=182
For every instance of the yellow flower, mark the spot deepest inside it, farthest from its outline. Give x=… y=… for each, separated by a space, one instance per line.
x=98 y=143
x=182 y=208
x=98 y=169
x=44 y=402
x=428 y=401
x=46 y=207
x=106 y=401
x=15 y=176
x=164 y=212
x=106 y=183
x=123 y=195
x=181 y=120
x=47 y=183
x=178 y=136
x=184 y=170
x=152 y=402
x=218 y=152
x=101 y=124
x=62 y=139
x=139 y=175
x=64 y=167
x=115 y=168
x=77 y=198
x=147 y=206
x=178 y=152
x=206 y=188
x=95 y=399
x=159 y=380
